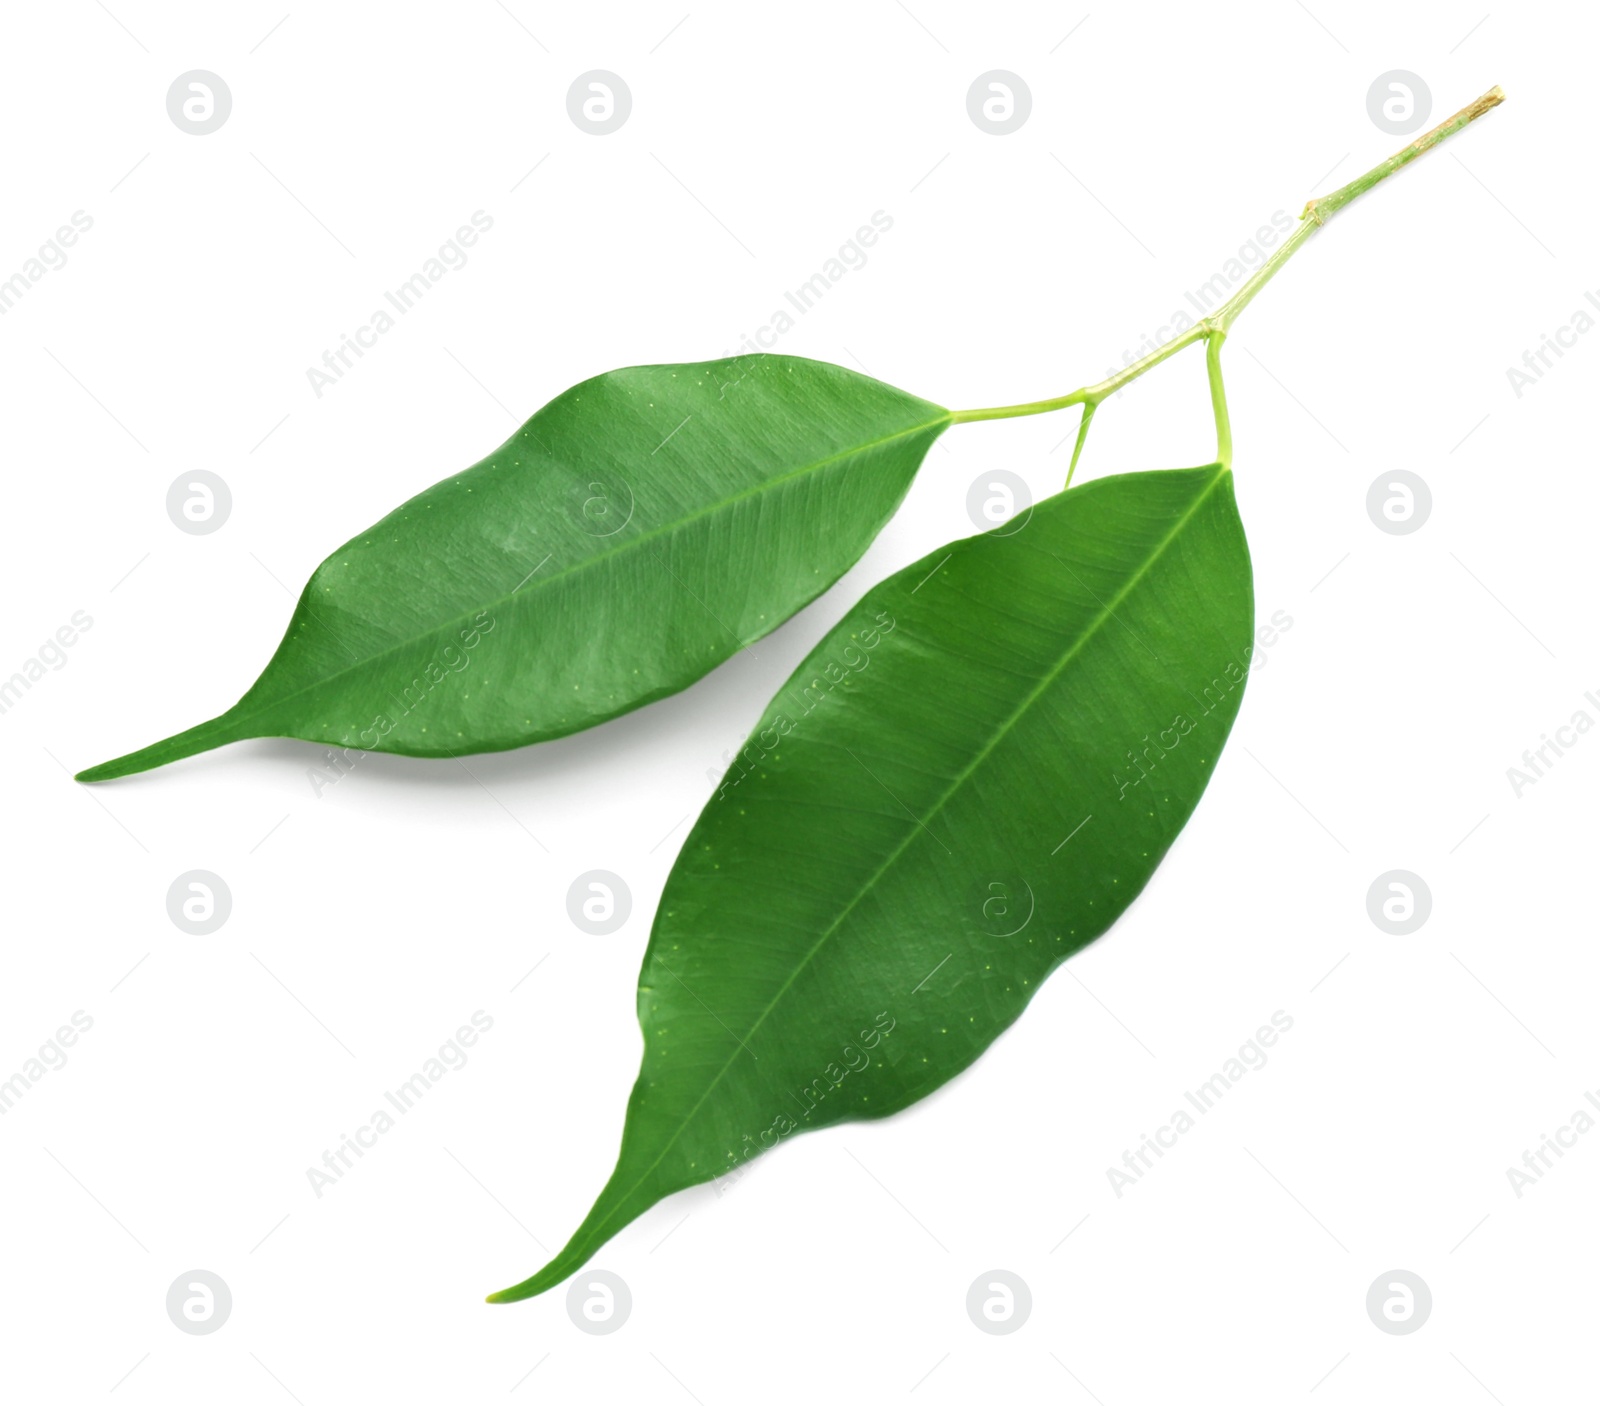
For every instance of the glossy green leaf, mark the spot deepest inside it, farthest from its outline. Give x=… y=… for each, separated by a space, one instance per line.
x=968 y=780
x=637 y=531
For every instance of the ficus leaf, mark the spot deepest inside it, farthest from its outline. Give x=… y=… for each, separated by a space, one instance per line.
x=969 y=779
x=641 y=528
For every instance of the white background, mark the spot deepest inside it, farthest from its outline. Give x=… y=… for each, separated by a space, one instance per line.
x=368 y=923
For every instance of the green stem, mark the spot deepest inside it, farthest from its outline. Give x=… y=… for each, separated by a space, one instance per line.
x=1213 y=329
x=1225 y=316
x=1330 y=205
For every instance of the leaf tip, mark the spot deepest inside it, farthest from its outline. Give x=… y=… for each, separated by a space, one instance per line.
x=511 y=1295
x=171 y=749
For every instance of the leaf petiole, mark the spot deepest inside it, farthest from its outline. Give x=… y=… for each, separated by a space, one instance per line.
x=1219 y=398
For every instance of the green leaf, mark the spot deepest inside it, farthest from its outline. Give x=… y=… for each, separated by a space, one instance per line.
x=640 y=529
x=968 y=780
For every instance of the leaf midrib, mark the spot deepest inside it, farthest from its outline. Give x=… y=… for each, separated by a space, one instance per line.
x=1103 y=615
x=755 y=490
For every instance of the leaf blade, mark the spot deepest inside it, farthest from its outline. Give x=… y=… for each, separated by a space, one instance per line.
x=671 y=543
x=832 y=870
